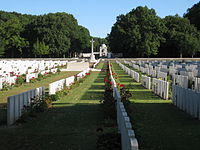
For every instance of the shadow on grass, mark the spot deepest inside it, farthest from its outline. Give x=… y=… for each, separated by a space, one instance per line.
x=97 y=87
x=3 y=114
x=67 y=127
x=93 y=95
x=163 y=126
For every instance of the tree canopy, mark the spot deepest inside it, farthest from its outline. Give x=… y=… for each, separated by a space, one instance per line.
x=141 y=33
x=49 y=35
x=138 y=33
x=193 y=14
x=182 y=38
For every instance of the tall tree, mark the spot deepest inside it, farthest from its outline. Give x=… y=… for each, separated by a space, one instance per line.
x=138 y=33
x=59 y=31
x=193 y=14
x=10 y=32
x=181 y=38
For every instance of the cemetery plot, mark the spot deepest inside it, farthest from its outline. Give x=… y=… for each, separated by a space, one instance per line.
x=156 y=122
x=159 y=86
x=184 y=75
x=26 y=87
x=74 y=118
x=11 y=70
x=45 y=82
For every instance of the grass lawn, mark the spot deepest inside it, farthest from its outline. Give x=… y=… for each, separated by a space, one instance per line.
x=158 y=124
x=71 y=124
x=29 y=86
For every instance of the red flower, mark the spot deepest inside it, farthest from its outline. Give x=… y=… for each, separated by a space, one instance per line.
x=122 y=85
x=13 y=83
x=110 y=83
x=33 y=77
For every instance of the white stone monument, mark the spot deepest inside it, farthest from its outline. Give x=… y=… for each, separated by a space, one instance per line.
x=92 y=57
x=103 y=51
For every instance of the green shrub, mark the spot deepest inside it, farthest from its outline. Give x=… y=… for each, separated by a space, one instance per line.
x=58 y=70
x=6 y=86
x=20 y=80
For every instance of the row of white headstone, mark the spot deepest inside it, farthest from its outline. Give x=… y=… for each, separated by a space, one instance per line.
x=135 y=75
x=60 y=84
x=187 y=100
x=35 y=75
x=10 y=70
x=128 y=139
x=146 y=82
x=9 y=81
x=163 y=71
x=19 y=67
x=180 y=80
x=17 y=104
x=183 y=69
x=184 y=98
x=159 y=87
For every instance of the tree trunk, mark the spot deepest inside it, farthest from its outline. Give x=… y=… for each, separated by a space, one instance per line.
x=181 y=55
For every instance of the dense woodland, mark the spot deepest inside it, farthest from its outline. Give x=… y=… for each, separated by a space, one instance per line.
x=141 y=33
x=49 y=35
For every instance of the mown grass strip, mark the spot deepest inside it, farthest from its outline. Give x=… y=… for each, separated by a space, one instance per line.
x=27 y=86
x=158 y=124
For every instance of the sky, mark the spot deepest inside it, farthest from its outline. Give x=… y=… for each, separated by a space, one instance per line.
x=98 y=16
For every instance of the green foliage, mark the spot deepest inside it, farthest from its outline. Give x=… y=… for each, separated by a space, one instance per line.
x=193 y=15
x=38 y=104
x=20 y=80
x=50 y=35
x=125 y=95
x=58 y=70
x=98 y=42
x=10 y=31
x=39 y=48
x=2 y=49
x=6 y=86
x=182 y=38
x=40 y=77
x=138 y=33
x=61 y=93
x=190 y=84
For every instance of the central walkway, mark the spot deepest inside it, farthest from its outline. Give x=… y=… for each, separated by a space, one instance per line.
x=70 y=125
